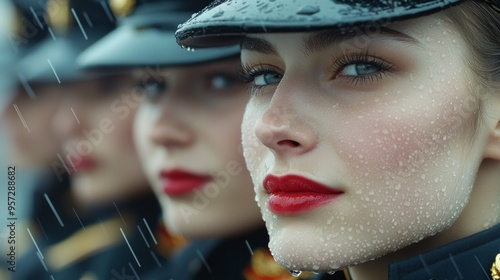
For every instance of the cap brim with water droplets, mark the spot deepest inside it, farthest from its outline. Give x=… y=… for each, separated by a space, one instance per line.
x=226 y=22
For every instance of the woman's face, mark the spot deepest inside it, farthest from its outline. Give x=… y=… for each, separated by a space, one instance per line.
x=27 y=122
x=360 y=144
x=188 y=137
x=94 y=123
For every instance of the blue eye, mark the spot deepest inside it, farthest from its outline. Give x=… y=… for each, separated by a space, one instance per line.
x=155 y=88
x=266 y=78
x=361 y=69
x=260 y=75
x=223 y=81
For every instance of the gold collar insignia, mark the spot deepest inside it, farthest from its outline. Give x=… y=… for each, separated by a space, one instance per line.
x=264 y=267
x=59 y=14
x=495 y=268
x=122 y=8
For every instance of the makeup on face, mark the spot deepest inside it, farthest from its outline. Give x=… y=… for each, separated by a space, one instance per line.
x=178 y=182
x=379 y=120
x=97 y=145
x=188 y=136
x=292 y=194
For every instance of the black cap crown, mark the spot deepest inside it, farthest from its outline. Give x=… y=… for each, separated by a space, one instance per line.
x=146 y=37
x=225 y=22
x=72 y=25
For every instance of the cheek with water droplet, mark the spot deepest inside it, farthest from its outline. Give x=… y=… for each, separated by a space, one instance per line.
x=404 y=159
x=407 y=167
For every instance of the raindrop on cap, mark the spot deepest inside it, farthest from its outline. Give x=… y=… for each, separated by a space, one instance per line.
x=295 y=273
x=308 y=10
x=218 y=14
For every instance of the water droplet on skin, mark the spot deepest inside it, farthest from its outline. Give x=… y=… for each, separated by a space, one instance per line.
x=308 y=10
x=295 y=273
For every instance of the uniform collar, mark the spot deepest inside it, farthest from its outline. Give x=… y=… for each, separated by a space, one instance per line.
x=467 y=258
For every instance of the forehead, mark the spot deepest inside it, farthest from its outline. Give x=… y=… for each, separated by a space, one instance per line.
x=409 y=31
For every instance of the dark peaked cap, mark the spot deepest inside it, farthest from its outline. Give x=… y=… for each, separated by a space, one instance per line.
x=146 y=37
x=73 y=26
x=225 y=22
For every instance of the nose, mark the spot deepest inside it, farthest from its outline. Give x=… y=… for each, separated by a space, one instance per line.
x=169 y=129
x=282 y=129
x=65 y=121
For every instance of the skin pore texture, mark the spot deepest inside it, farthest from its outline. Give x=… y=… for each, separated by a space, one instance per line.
x=397 y=122
x=97 y=138
x=192 y=123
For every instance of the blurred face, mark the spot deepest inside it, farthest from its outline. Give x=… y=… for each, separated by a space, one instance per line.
x=360 y=145
x=188 y=137
x=94 y=123
x=27 y=122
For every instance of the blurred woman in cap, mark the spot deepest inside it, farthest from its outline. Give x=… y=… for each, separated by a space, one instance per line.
x=187 y=133
x=26 y=110
x=99 y=229
x=372 y=133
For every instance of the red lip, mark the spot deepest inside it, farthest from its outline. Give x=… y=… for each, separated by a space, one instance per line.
x=82 y=164
x=178 y=182
x=293 y=194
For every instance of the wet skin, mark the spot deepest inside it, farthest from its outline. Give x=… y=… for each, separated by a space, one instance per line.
x=392 y=120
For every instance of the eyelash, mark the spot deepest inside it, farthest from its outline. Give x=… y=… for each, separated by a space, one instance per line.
x=361 y=58
x=248 y=73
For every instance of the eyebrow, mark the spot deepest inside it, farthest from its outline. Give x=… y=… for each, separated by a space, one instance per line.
x=321 y=40
x=258 y=45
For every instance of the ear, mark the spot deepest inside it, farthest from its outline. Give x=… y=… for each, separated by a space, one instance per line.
x=492 y=150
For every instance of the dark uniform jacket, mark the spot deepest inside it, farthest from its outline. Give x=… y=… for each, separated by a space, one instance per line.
x=470 y=258
x=244 y=257
x=93 y=247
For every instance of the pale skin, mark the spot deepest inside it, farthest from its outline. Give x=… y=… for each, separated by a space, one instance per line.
x=193 y=123
x=33 y=146
x=105 y=111
x=394 y=120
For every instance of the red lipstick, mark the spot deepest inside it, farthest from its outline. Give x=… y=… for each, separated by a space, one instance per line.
x=179 y=182
x=82 y=164
x=293 y=194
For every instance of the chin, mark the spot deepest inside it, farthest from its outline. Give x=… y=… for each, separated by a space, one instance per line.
x=85 y=196
x=297 y=245
x=179 y=221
